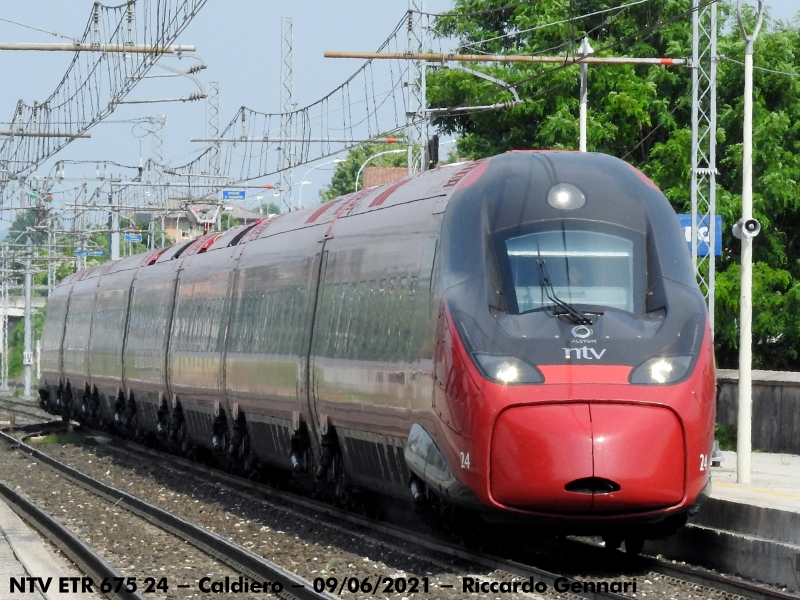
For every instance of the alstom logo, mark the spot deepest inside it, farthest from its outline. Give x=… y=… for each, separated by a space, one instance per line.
x=584 y=353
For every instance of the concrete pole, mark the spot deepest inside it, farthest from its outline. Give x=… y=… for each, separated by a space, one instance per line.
x=113 y=226
x=50 y=256
x=745 y=415
x=4 y=326
x=585 y=51
x=409 y=83
x=28 y=350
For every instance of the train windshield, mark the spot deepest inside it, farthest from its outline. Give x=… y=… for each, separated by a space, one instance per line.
x=576 y=267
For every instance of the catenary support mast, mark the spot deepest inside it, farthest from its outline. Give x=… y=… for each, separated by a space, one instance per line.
x=704 y=144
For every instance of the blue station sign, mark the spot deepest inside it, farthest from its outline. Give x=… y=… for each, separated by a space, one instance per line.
x=703 y=233
x=233 y=194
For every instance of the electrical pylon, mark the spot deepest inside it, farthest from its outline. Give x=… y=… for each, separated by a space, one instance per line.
x=287 y=106
x=704 y=145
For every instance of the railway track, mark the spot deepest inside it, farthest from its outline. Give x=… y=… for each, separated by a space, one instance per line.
x=79 y=552
x=284 y=583
x=682 y=574
x=29 y=410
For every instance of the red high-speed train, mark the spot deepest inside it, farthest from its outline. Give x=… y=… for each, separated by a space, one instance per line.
x=519 y=338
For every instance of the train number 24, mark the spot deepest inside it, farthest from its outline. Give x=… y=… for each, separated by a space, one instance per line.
x=464 y=460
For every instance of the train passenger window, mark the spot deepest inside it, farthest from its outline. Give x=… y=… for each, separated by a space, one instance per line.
x=583 y=267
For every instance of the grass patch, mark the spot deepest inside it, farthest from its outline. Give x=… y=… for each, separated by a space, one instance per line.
x=726 y=436
x=63 y=438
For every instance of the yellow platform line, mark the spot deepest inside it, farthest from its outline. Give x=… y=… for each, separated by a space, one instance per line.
x=739 y=487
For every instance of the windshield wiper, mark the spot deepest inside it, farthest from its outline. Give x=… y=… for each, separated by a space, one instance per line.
x=544 y=282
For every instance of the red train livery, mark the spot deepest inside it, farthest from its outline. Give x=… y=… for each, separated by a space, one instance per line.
x=519 y=338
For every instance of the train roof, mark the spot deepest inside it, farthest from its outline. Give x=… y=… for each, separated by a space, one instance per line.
x=593 y=169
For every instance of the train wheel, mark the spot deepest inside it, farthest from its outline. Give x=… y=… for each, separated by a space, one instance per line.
x=634 y=545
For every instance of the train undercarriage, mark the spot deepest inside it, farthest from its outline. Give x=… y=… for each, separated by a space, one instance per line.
x=323 y=475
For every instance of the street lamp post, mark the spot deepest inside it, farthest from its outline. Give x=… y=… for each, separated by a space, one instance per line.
x=300 y=195
x=28 y=337
x=335 y=160
x=375 y=156
x=748 y=229
x=279 y=192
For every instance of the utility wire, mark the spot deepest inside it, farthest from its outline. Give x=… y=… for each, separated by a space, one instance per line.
x=546 y=25
x=650 y=30
x=656 y=128
x=721 y=57
x=354 y=106
x=476 y=13
x=94 y=81
x=53 y=33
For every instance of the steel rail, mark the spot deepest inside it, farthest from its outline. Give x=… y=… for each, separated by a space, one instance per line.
x=429 y=543
x=4 y=402
x=684 y=573
x=717 y=581
x=78 y=551
x=241 y=560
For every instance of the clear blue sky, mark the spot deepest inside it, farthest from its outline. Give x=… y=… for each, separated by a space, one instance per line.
x=240 y=42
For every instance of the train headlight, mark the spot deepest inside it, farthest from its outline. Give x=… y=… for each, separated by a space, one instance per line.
x=661 y=370
x=508 y=370
x=565 y=196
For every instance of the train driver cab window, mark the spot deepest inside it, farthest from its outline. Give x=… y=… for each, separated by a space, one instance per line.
x=584 y=268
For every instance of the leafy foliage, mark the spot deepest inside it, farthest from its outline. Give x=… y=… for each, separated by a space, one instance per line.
x=643 y=114
x=16 y=342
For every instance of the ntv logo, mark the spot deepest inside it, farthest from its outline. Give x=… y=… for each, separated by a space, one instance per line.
x=583 y=353
x=582 y=332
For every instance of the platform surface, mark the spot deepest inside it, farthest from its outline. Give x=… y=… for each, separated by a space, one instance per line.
x=775 y=481
x=24 y=554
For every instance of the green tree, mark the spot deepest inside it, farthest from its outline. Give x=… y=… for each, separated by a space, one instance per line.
x=16 y=342
x=643 y=114
x=270 y=209
x=29 y=218
x=344 y=177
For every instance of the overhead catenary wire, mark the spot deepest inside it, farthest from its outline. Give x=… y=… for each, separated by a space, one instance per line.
x=646 y=31
x=53 y=33
x=765 y=69
x=652 y=132
x=476 y=13
x=95 y=82
x=253 y=164
x=571 y=20
x=360 y=113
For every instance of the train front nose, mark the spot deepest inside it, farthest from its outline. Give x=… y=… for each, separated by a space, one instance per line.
x=588 y=457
